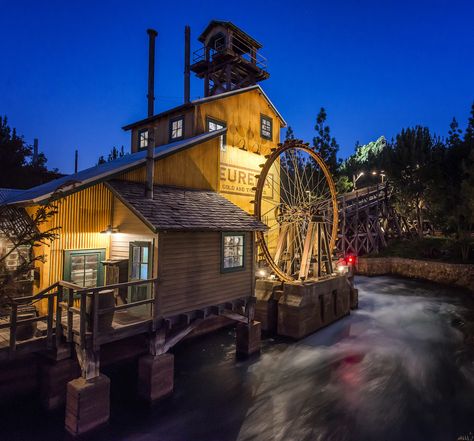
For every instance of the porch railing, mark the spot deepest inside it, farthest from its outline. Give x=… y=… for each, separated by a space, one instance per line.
x=88 y=326
x=67 y=317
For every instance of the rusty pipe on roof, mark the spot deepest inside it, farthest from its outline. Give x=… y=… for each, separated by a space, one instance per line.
x=151 y=70
x=150 y=163
x=187 y=63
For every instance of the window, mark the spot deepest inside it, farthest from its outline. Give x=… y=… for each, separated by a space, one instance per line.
x=266 y=127
x=139 y=269
x=84 y=267
x=176 y=128
x=142 y=139
x=233 y=246
x=214 y=124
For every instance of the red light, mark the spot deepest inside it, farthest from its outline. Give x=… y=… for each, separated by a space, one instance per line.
x=351 y=259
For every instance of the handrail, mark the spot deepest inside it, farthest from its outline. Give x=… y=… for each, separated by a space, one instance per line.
x=85 y=320
x=116 y=285
x=248 y=53
x=45 y=292
x=60 y=297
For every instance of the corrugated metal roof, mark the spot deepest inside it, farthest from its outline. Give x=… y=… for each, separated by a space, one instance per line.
x=6 y=193
x=92 y=175
x=206 y=100
x=180 y=209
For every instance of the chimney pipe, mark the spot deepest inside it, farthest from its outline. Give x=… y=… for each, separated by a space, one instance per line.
x=35 y=151
x=150 y=164
x=187 y=62
x=76 y=161
x=151 y=70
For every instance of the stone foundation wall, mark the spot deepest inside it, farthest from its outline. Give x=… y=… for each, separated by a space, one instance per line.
x=461 y=275
x=299 y=309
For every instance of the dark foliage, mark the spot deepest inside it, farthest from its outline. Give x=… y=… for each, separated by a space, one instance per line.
x=18 y=169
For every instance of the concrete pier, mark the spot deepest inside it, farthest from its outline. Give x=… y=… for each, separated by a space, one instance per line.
x=248 y=338
x=87 y=404
x=155 y=376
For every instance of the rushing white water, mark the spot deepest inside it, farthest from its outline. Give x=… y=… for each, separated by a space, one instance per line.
x=395 y=369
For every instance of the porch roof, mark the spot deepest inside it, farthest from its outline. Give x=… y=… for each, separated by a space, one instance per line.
x=177 y=209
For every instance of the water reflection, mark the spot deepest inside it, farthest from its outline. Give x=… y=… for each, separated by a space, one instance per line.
x=396 y=369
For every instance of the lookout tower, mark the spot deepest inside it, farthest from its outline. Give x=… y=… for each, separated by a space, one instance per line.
x=229 y=59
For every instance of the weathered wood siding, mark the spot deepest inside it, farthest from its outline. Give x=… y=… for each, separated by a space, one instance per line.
x=81 y=217
x=196 y=167
x=161 y=127
x=190 y=272
x=241 y=113
x=131 y=229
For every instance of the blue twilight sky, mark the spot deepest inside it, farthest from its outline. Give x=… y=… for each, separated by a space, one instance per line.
x=73 y=72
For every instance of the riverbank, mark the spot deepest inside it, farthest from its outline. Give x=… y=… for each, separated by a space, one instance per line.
x=453 y=274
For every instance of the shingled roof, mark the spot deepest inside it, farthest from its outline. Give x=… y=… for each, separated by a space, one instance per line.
x=180 y=209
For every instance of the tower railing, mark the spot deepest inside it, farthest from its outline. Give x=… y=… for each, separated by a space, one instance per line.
x=237 y=45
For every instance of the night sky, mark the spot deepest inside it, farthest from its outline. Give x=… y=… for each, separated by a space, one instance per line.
x=72 y=73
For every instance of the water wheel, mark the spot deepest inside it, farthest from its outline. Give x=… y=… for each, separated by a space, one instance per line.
x=296 y=198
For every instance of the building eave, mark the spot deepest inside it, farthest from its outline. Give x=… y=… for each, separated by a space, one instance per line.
x=204 y=100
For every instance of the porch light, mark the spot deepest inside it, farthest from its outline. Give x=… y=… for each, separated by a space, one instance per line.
x=110 y=230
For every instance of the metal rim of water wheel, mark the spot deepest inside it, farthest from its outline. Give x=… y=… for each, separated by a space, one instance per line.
x=304 y=188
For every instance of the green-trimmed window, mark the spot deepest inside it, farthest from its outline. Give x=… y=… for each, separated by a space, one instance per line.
x=233 y=252
x=266 y=127
x=140 y=261
x=176 y=128
x=84 y=267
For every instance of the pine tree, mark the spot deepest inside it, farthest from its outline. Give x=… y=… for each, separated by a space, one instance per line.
x=289 y=134
x=17 y=169
x=469 y=134
x=114 y=154
x=324 y=143
x=454 y=133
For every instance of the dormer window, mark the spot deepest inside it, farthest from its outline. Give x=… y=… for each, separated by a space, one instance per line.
x=266 y=125
x=215 y=124
x=142 y=139
x=176 y=128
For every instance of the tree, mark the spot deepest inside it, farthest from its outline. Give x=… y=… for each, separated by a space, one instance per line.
x=112 y=156
x=469 y=134
x=409 y=165
x=289 y=134
x=324 y=143
x=20 y=235
x=18 y=168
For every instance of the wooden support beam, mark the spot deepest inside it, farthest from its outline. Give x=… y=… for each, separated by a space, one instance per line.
x=307 y=252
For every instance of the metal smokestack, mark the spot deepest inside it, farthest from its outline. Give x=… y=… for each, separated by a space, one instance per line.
x=151 y=70
x=187 y=62
x=150 y=163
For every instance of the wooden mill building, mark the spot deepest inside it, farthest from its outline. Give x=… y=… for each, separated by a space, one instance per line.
x=161 y=240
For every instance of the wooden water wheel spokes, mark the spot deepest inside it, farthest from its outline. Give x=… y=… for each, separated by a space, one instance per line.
x=296 y=198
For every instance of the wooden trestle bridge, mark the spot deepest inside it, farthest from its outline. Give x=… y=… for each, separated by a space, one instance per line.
x=367 y=220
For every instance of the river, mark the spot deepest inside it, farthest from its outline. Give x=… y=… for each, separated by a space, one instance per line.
x=396 y=369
